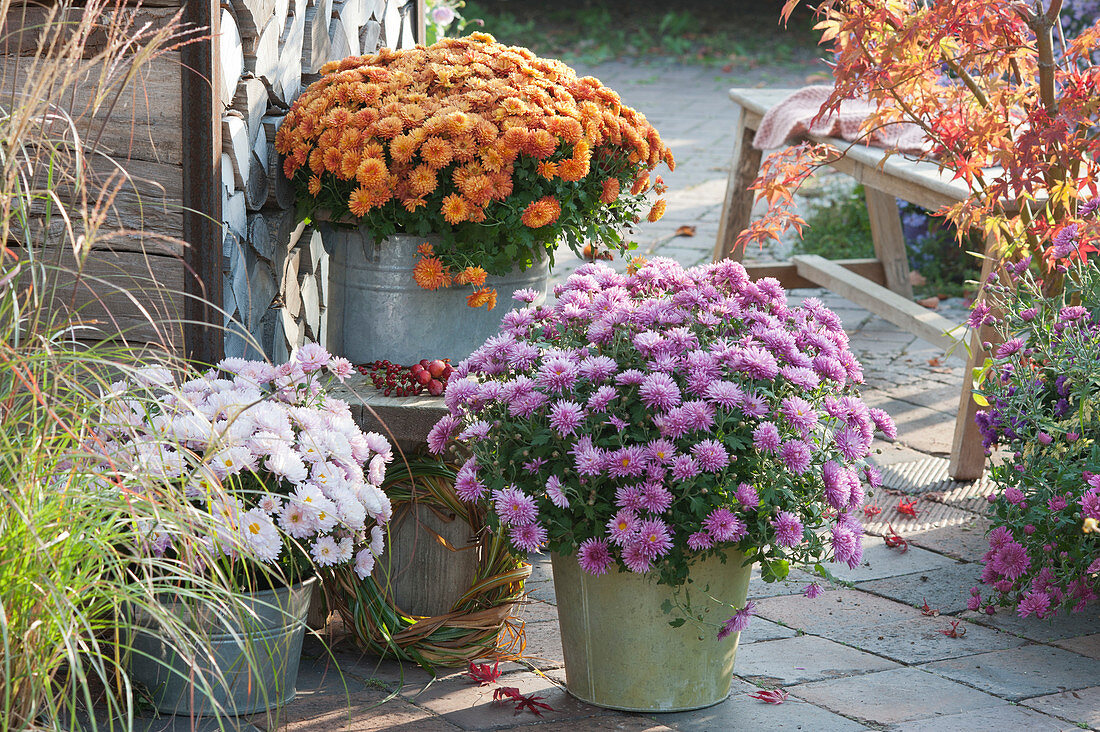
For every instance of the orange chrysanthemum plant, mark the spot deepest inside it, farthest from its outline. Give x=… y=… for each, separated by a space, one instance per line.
x=499 y=153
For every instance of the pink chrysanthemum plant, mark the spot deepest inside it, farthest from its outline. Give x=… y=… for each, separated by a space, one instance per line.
x=651 y=419
x=279 y=476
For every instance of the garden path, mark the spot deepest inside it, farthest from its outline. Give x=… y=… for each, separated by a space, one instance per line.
x=861 y=656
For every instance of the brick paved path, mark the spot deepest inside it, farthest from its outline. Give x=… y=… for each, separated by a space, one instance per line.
x=861 y=656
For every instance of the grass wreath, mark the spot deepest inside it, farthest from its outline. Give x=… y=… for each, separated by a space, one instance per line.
x=479 y=623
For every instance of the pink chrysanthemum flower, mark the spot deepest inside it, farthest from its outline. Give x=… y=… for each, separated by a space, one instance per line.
x=626 y=461
x=514 y=507
x=659 y=391
x=747 y=496
x=699 y=540
x=654 y=537
x=796 y=455
x=788 y=529
x=598 y=368
x=557 y=374
x=739 y=621
x=1011 y=560
x=566 y=417
x=812 y=590
x=765 y=437
x=799 y=413
x=622 y=526
x=684 y=467
x=629 y=496
x=527 y=537
x=655 y=498
x=587 y=460
x=467 y=485
x=635 y=557
x=441 y=433
x=594 y=556
x=846 y=545
x=661 y=451
x=602 y=398
x=754 y=405
x=555 y=493
x=803 y=378
x=725 y=394
x=852 y=444
x=711 y=455
x=723 y=525
x=884 y=423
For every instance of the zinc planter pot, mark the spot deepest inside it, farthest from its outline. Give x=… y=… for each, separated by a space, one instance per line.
x=620 y=651
x=272 y=632
x=377 y=311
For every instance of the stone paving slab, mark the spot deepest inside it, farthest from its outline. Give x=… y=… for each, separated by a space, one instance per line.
x=1081 y=706
x=1060 y=627
x=760 y=630
x=881 y=561
x=793 y=584
x=965 y=541
x=742 y=712
x=471 y=707
x=1086 y=645
x=946 y=589
x=1022 y=672
x=803 y=658
x=920 y=640
x=834 y=611
x=997 y=719
x=894 y=696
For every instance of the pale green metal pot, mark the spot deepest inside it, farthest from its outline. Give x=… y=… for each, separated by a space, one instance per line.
x=620 y=651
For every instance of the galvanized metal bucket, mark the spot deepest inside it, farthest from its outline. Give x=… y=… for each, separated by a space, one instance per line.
x=620 y=651
x=270 y=636
x=377 y=311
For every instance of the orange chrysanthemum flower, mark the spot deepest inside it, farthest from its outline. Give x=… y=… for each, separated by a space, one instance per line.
x=515 y=138
x=568 y=130
x=412 y=204
x=372 y=173
x=477 y=213
x=610 y=192
x=425 y=250
x=290 y=167
x=455 y=209
x=485 y=297
x=360 y=202
x=333 y=160
x=430 y=274
x=541 y=212
x=316 y=162
x=548 y=169
x=491 y=159
x=540 y=144
x=422 y=180
x=349 y=164
x=471 y=276
x=314 y=185
x=436 y=152
x=459 y=123
x=478 y=189
x=403 y=148
x=388 y=127
x=657 y=211
x=502 y=185
x=641 y=184
x=465 y=147
x=573 y=169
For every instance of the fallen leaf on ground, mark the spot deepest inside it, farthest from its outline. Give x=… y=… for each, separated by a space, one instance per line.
x=954 y=631
x=894 y=540
x=871 y=510
x=771 y=696
x=935 y=361
x=685 y=230
x=925 y=610
x=483 y=673
x=504 y=694
x=907 y=508
x=931 y=303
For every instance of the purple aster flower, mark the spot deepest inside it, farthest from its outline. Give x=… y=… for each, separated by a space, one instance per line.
x=803 y=378
x=873 y=476
x=566 y=417
x=587 y=460
x=852 y=444
x=635 y=557
x=979 y=315
x=711 y=455
x=594 y=556
x=467 y=485
x=837 y=480
x=558 y=374
x=1014 y=495
x=1010 y=347
x=526 y=295
x=846 y=545
x=655 y=498
x=622 y=526
x=527 y=537
x=754 y=405
x=459 y=392
x=788 y=529
x=739 y=621
x=812 y=591
x=654 y=537
x=1028 y=314
x=626 y=461
x=1072 y=313
x=697 y=414
x=617 y=423
x=796 y=455
x=746 y=495
x=1011 y=560
x=441 y=433
x=532 y=466
x=475 y=432
x=598 y=368
x=629 y=496
x=516 y=389
x=684 y=467
x=725 y=394
x=1034 y=603
x=648 y=342
x=1064 y=243
x=514 y=507
x=673 y=423
x=884 y=422
x=659 y=391
x=828 y=367
x=661 y=451
x=555 y=493
x=766 y=437
x=757 y=363
x=630 y=376
x=1090 y=504
x=699 y=541
x=528 y=404
x=799 y=413
x=999 y=537
x=723 y=525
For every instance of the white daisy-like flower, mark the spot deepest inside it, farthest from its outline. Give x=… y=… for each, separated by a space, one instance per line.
x=325 y=551
x=270 y=503
x=376 y=472
x=260 y=535
x=377 y=541
x=364 y=563
x=287 y=464
x=344 y=548
x=296 y=521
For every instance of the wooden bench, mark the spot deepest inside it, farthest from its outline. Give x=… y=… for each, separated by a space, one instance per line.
x=880 y=284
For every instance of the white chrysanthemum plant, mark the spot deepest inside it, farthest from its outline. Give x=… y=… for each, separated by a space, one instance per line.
x=278 y=472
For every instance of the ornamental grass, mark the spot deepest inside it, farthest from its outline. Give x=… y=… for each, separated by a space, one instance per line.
x=500 y=153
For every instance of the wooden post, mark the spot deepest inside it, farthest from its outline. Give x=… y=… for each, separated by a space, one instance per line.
x=967 y=453
x=737 y=206
x=201 y=130
x=889 y=240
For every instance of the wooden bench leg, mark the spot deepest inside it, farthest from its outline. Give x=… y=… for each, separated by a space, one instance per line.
x=889 y=241
x=967 y=454
x=737 y=206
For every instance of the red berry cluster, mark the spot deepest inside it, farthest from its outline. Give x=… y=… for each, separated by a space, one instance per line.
x=394 y=380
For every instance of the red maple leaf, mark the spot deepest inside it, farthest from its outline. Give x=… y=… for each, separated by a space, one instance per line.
x=771 y=696
x=894 y=540
x=531 y=702
x=871 y=510
x=907 y=508
x=954 y=631
x=483 y=673
x=925 y=610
